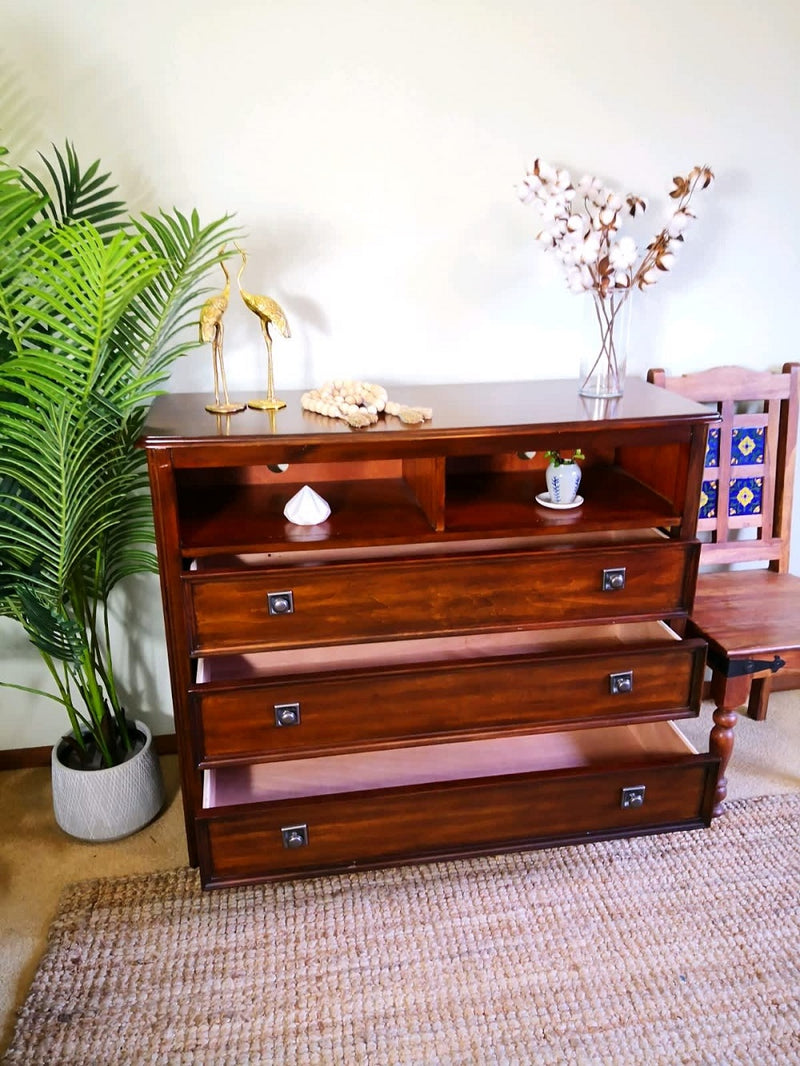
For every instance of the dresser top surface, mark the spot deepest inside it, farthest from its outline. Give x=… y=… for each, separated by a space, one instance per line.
x=470 y=409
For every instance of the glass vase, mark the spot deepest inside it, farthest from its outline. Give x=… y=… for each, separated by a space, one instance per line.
x=602 y=370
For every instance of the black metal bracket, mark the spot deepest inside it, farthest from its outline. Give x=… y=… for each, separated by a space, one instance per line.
x=743 y=667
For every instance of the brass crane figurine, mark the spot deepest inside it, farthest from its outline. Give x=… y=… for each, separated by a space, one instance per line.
x=211 y=332
x=269 y=313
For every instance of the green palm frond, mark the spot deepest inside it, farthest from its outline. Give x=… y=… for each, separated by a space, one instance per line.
x=18 y=209
x=19 y=233
x=123 y=547
x=52 y=631
x=69 y=305
x=94 y=310
x=74 y=193
x=122 y=550
x=162 y=323
x=71 y=491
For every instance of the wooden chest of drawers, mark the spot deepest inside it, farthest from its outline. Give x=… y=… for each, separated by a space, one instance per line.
x=443 y=667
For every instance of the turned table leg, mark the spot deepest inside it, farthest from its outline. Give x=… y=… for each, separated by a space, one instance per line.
x=728 y=693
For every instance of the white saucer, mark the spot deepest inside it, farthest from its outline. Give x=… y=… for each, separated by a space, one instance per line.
x=544 y=499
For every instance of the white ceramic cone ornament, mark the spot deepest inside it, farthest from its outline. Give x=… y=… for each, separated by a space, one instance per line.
x=306 y=508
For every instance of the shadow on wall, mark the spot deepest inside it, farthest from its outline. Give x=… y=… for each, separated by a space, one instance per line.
x=141 y=651
x=20 y=129
x=140 y=663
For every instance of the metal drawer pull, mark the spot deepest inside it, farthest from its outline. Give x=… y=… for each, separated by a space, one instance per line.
x=632 y=797
x=280 y=602
x=295 y=836
x=621 y=682
x=614 y=579
x=287 y=713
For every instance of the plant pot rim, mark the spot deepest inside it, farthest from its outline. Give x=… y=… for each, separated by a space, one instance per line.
x=139 y=726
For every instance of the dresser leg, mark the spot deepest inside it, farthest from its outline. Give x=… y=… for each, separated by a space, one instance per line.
x=728 y=693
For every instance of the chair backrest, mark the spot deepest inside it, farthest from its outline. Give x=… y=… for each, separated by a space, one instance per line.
x=750 y=460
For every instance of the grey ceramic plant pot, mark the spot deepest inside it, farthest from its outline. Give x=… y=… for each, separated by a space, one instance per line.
x=108 y=804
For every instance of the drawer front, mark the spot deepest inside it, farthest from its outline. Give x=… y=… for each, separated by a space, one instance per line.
x=341 y=603
x=309 y=715
x=452 y=819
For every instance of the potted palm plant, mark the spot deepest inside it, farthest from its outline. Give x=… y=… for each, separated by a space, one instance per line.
x=94 y=310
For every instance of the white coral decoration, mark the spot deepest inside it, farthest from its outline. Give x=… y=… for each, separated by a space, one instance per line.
x=581 y=223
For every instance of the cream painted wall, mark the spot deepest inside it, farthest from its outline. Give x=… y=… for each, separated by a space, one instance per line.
x=370 y=150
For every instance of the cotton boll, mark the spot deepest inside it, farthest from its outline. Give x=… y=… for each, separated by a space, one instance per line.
x=525 y=192
x=594 y=219
x=678 y=223
x=585 y=185
x=590 y=249
x=623 y=253
x=579 y=280
x=599 y=194
x=546 y=172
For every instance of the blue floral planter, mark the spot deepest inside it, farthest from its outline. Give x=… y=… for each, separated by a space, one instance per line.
x=563 y=482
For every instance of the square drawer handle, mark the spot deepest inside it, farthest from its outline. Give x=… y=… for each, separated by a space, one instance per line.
x=280 y=602
x=295 y=836
x=286 y=714
x=632 y=797
x=614 y=579
x=621 y=683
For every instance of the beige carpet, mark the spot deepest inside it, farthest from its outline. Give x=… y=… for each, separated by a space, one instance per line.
x=682 y=948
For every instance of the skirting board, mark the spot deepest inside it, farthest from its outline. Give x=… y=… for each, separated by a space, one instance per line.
x=25 y=758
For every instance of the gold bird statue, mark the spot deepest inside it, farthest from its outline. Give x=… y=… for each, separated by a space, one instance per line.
x=269 y=313
x=211 y=314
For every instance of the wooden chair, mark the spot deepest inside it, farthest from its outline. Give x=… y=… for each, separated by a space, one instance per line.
x=749 y=617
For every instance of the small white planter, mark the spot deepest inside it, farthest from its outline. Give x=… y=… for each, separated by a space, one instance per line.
x=112 y=803
x=563 y=481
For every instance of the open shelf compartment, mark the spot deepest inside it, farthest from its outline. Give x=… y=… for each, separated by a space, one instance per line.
x=392 y=501
x=241 y=509
x=485 y=493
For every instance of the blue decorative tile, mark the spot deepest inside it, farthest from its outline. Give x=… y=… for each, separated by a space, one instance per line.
x=745 y=496
x=747 y=446
x=708 y=499
x=712 y=448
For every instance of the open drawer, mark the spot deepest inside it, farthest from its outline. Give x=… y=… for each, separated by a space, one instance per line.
x=304 y=817
x=306 y=702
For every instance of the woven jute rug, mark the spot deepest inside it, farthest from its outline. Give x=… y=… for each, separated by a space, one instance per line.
x=683 y=948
